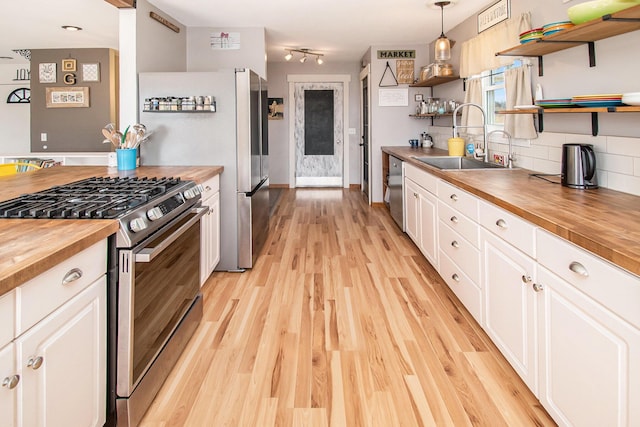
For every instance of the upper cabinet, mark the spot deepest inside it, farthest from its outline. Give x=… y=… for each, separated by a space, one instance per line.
x=622 y=22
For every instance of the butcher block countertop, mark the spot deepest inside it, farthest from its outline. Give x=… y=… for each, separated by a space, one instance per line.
x=602 y=221
x=29 y=247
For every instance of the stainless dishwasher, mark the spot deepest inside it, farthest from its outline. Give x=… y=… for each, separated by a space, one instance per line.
x=394 y=185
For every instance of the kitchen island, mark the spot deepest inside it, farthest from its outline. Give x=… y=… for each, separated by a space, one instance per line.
x=602 y=221
x=29 y=247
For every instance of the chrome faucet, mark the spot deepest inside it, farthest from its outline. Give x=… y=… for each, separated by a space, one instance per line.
x=485 y=146
x=510 y=156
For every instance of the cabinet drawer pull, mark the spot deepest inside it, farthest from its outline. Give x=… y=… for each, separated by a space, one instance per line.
x=11 y=382
x=454 y=197
x=207 y=188
x=501 y=223
x=578 y=268
x=538 y=287
x=72 y=276
x=455 y=244
x=35 y=362
x=415 y=195
x=454 y=219
x=526 y=279
x=455 y=277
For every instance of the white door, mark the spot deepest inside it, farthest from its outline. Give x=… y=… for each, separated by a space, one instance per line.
x=318 y=133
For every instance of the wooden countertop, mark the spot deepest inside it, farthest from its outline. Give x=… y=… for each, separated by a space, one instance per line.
x=29 y=247
x=602 y=221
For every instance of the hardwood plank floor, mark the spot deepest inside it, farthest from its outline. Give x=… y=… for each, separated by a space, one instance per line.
x=342 y=322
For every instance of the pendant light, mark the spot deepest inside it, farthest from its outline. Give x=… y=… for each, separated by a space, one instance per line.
x=443 y=47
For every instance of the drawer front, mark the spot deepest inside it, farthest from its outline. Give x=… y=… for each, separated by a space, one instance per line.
x=514 y=230
x=461 y=285
x=43 y=294
x=7 y=318
x=458 y=199
x=422 y=178
x=211 y=187
x=460 y=223
x=461 y=251
x=606 y=283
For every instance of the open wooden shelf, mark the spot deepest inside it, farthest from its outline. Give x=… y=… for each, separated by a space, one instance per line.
x=434 y=81
x=622 y=22
x=431 y=116
x=580 y=110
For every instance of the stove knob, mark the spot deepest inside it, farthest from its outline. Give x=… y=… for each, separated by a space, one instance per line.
x=193 y=192
x=154 y=213
x=137 y=224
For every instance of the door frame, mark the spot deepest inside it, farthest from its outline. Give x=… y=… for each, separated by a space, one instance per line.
x=366 y=72
x=345 y=79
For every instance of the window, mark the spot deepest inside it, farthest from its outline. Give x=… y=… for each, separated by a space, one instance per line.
x=494 y=96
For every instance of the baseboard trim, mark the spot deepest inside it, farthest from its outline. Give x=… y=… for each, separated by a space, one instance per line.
x=278 y=185
x=378 y=205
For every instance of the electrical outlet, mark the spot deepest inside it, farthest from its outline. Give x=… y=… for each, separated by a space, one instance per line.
x=43 y=137
x=499 y=159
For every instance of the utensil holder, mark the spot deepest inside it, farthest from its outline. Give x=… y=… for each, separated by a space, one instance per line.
x=127 y=158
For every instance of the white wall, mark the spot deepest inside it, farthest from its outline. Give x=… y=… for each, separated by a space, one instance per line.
x=279 y=129
x=201 y=57
x=14 y=118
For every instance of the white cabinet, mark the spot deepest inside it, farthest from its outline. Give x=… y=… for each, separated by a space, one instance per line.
x=510 y=305
x=53 y=372
x=62 y=364
x=589 y=337
x=421 y=219
x=9 y=382
x=210 y=229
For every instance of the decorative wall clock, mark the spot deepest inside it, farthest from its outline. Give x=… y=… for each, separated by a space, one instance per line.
x=20 y=96
x=47 y=72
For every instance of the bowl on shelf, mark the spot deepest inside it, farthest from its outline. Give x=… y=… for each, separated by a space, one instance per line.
x=631 y=98
x=591 y=10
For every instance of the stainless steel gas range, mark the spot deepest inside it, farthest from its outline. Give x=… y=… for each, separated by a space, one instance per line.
x=154 y=300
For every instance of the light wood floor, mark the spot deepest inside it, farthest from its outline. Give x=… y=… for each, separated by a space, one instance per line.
x=342 y=322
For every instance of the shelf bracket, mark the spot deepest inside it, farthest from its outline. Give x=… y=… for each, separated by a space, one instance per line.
x=608 y=17
x=540 y=121
x=594 y=124
x=540 y=66
x=592 y=54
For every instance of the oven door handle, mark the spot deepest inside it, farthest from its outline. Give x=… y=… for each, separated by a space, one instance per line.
x=148 y=254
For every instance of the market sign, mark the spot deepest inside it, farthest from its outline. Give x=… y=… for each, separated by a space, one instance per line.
x=493 y=15
x=396 y=54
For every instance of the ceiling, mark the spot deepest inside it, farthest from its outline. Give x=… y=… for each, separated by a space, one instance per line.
x=341 y=29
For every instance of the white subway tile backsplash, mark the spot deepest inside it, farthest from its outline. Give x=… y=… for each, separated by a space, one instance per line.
x=615 y=163
x=636 y=166
x=599 y=142
x=625 y=183
x=623 y=146
x=549 y=139
x=546 y=166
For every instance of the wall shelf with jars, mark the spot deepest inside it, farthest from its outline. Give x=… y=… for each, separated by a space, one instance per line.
x=186 y=104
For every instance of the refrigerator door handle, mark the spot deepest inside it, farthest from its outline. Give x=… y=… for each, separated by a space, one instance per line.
x=257 y=188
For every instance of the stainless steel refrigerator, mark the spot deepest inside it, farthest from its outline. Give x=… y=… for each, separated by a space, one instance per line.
x=234 y=136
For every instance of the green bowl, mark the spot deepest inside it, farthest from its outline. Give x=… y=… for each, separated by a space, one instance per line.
x=591 y=10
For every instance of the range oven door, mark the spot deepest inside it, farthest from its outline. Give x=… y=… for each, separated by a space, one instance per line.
x=158 y=282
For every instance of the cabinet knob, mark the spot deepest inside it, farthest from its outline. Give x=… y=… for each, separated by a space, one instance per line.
x=35 y=362
x=415 y=195
x=578 y=268
x=455 y=277
x=207 y=188
x=455 y=244
x=11 y=382
x=538 y=287
x=71 y=276
x=526 y=279
x=454 y=219
x=454 y=197
x=501 y=223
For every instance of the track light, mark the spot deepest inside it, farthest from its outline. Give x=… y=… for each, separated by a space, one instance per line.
x=305 y=55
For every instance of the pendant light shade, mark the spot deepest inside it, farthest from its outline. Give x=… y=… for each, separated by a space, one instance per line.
x=443 y=46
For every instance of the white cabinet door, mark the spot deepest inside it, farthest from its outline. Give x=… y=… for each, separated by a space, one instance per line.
x=428 y=226
x=411 y=207
x=210 y=236
x=62 y=361
x=590 y=359
x=510 y=305
x=9 y=386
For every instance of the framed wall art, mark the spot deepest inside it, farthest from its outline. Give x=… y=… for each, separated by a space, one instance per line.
x=47 y=72
x=67 y=97
x=404 y=71
x=91 y=72
x=276 y=109
x=69 y=65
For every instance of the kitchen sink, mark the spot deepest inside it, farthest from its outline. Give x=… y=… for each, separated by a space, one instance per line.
x=457 y=163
